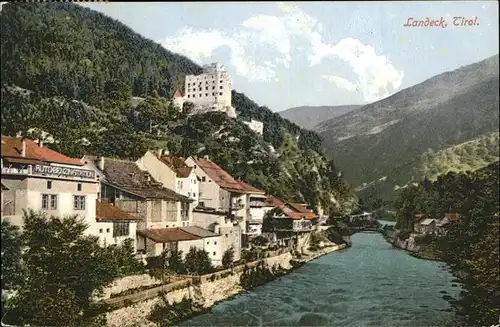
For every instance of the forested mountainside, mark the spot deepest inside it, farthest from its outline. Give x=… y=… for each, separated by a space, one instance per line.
x=309 y=116
x=385 y=145
x=71 y=72
x=471 y=246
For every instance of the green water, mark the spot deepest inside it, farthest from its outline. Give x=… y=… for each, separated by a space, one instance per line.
x=369 y=284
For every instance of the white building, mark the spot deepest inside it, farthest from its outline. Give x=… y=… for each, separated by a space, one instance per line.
x=256 y=126
x=210 y=91
x=38 y=178
x=172 y=172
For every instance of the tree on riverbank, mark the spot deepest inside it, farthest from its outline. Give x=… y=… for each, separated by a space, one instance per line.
x=61 y=271
x=471 y=246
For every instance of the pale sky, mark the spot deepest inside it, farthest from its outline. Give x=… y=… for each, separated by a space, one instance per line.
x=289 y=54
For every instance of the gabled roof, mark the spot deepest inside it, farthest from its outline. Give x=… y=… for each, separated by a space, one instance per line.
x=198 y=231
x=167 y=235
x=250 y=189
x=177 y=94
x=108 y=212
x=126 y=175
x=177 y=164
x=274 y=202
x=219 y=175
x=12 y=148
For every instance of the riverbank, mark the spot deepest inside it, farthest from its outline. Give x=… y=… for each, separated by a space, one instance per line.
x=210 y=290
x=426 y=252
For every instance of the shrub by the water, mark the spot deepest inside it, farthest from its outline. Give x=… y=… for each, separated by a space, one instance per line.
x=166 y=314
x=260 y=274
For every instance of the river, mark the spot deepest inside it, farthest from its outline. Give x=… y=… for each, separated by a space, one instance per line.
x=369 y=284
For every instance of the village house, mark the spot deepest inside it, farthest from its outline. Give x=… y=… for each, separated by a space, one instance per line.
x=211 y=243
x=289 y=228
x=220 y=223
x=221 y=192
x=38 y=178
x=443 y=224
x=172 y=172
x=114 y=225
x=425 y=225
x=258 y=214
x=135 y=192
x=152 y=242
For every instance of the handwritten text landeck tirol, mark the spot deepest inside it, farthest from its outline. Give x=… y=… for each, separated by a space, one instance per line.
x=458 y=21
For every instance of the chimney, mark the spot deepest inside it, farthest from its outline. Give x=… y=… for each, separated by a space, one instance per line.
x=206 y=157
x=166 y=152
x=23 y=148
x=159 y=152
x=40 y=143
x=101 y=163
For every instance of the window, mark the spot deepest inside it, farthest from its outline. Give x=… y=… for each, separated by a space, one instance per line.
x=209 y=180
x=206 y=89
x=220 y=87
x=203 y=179
x=120 y=229
x=194 y=95
x=220 y=93
x=200 y=94
x=208 y=242
x=215 y=243
x=213 y=93
x=200 y=193
x=189 y=96
x=213 y=87
x=202 y=204
x=213 y=253
x=49 y=185
x=189 y=84
x=226 y=235
x=107 y=230
x=206 y=94
x=79 y=187
x=100 y=230
x=79 y=203
x=220 y=81
x=49 y=201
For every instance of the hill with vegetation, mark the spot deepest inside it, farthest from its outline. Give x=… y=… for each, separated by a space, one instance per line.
x=395 y=141
x=72 y=72
x=471 y=246
x=309 y=116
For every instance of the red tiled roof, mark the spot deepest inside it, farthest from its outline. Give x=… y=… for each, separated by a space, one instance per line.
x=274 y=202
x=177 y=94
x=301 y=215
x=250 y=189
x=177 y=164
x=219 y=175
x=108 y=212
x=167 y=235
x=12 y=151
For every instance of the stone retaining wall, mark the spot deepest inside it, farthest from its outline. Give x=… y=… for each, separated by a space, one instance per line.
x=209 y=292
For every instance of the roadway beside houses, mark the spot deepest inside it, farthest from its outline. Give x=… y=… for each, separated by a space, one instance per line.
x=159 y=201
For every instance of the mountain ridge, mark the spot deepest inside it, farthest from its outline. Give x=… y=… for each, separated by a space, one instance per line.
x=309 y=116
x=444 y=110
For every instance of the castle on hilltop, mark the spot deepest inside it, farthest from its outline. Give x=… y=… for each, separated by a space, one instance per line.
x=209 y=91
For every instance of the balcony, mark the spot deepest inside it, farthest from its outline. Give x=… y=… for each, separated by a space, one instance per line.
x=257 y=204
x=237 y=206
